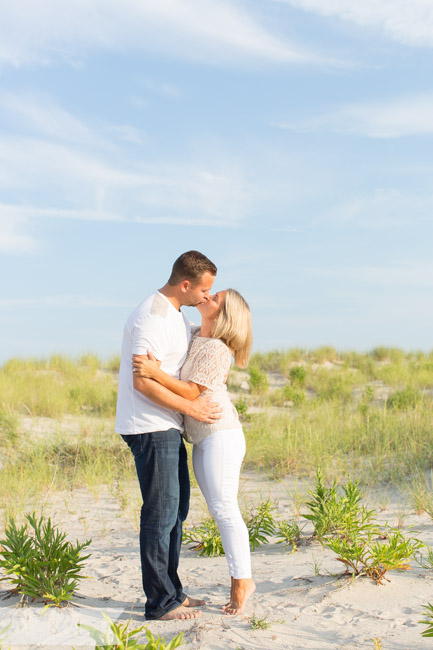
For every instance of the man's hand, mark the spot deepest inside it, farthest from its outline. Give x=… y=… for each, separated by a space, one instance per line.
x=203 y=410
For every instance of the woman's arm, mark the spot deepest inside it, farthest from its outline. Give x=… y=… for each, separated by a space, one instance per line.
x=147 y=366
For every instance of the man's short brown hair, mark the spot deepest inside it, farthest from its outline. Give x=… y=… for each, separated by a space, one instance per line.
x=191 y=266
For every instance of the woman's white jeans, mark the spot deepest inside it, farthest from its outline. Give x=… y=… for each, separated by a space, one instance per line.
x=217 y=462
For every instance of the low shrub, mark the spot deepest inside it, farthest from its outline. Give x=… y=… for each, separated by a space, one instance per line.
x=298 y=375
x=258 y=381
x=40 y=563
x=404 y=399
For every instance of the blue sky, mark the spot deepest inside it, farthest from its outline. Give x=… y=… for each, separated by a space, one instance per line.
x=289 y=140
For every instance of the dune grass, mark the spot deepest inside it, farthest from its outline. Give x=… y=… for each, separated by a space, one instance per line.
x=57 y=386
x=367 y=415
x=375 y=445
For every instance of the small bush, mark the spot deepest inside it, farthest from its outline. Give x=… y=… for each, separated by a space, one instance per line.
x=258 y=381
x=261 y=524
x=41 y=563
x=293 y=394
x=331 y=512
x=298 y=374
x=363 y=554
x=259 y=623
x=288 y=533
x=205 y=538
x=241 y=405
x=404 y=399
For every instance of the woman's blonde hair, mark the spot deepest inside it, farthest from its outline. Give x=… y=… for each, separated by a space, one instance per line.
x=233 y=327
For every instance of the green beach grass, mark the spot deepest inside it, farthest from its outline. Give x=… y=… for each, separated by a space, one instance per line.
x=365 y=415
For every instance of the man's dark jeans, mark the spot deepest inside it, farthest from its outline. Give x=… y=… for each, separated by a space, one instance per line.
x=162 y=470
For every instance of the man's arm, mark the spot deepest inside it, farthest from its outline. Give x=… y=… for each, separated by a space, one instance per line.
x=199 y=408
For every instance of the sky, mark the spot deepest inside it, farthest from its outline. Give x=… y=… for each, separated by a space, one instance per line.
x=288 y=140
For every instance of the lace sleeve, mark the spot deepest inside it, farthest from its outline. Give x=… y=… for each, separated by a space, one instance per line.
x=211 y=364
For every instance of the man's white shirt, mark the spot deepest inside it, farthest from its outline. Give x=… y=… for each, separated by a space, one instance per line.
x=158 y=327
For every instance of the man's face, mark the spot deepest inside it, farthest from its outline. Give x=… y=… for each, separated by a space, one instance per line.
x=199 y=292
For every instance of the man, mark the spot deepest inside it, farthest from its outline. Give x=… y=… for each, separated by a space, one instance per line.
x=149 y=418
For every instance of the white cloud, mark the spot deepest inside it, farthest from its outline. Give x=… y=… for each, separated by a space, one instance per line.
x=127 y=133
x=383 y=208
x=394 y=118
x=43 y=31
x=14 y=235
x=41 y=114
x=68 y=171
x=407 y=21
x=409 y=275
x=85 y=187
x=73 y=301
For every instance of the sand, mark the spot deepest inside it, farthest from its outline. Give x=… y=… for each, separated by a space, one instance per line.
x=307 y=605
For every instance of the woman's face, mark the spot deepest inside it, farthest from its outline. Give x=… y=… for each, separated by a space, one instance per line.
x=211 y=308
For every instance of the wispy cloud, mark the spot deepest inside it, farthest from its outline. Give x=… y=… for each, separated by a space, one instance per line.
x=382 y=208
x=83 y=186
x=407 y=275
x=214 y=32
x=127 y=133
x=64 y=169
x=71 y=301
x=407 y=21
x=38 y=113
x=15 y=236
x=394 y=118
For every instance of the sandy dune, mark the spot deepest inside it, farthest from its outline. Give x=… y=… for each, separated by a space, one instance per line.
x=298 y=594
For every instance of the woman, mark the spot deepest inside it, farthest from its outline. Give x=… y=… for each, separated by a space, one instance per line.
x=219 y=448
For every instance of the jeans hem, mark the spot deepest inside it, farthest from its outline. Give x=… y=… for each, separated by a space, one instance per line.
x=176 y=604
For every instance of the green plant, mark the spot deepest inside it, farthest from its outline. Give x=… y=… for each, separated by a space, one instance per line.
x=428 y=613
x=420 y=493
x=206 y=538
x=122 y=638
x=8 y=426
x=426 y=561
x=40 y=563
x=362 y=554
x=261 y=524
x=332 y=513
x=241 y=405
x=288 y=533
x=298 y=375
x=258 y=381
x=377 y=644
x=316 y=565
x=259 y=623
x=290 y=393
x=404 y=399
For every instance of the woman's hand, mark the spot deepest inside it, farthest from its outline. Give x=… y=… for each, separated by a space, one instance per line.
x=145 y=365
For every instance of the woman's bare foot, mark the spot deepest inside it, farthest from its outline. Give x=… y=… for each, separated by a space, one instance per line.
x=181 y=613
x=241 y=590
x=193 y=602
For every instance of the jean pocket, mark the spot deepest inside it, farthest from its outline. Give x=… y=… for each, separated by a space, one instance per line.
x=134 y=442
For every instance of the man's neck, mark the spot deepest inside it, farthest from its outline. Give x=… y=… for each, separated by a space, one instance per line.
x=172 y=295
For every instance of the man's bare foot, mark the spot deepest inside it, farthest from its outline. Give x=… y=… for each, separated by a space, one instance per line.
x=180 y=613
x=193 y=602
x=241 y=590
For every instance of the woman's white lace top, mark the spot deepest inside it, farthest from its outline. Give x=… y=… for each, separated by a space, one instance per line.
x=208 y=364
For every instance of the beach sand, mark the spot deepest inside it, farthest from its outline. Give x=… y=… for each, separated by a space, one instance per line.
x=307 y=606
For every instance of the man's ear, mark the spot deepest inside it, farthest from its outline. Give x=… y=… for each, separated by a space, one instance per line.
x=185 y=286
